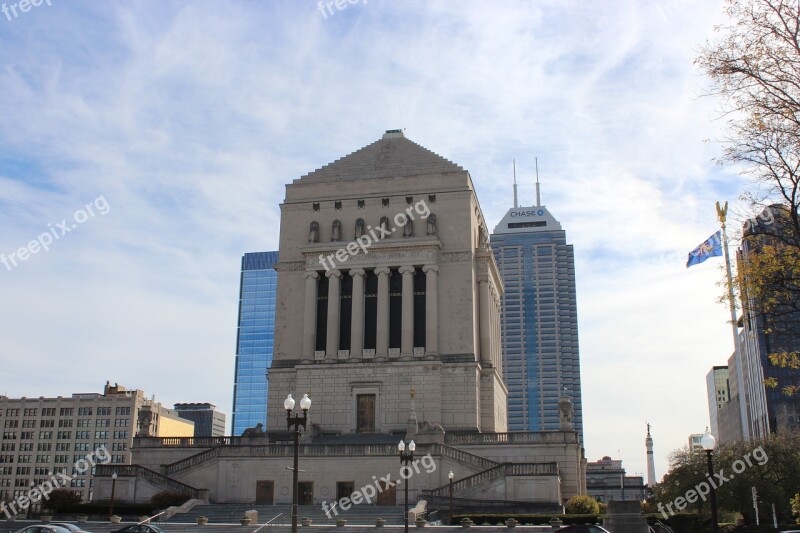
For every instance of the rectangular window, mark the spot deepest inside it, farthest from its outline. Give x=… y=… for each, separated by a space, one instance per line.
x=31 y=411
x=65 y=411
x=50 y=411
x=123 y=411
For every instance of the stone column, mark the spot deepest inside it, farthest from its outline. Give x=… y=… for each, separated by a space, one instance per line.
x=382 y=326
x=334 y=290
x=431 y=310
x=484 y=327
x=357 y=317
x=407 y=323
x=310 y=315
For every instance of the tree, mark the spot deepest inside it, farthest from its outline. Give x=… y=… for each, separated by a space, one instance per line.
x=582 y=505
x=62 y=500
x=772 y=466
x=796 y=506
x=755 y=70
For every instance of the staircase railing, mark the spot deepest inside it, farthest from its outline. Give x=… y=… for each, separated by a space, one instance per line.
x=150 y=475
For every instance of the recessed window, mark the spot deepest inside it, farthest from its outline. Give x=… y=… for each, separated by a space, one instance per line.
x=409 y=199
x=432 y=198
x=361 y=204
x=315 y=206
x=337 y=205
x=385 y=202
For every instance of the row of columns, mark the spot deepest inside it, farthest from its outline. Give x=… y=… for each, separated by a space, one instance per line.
x=490 y=332
x=357 y=317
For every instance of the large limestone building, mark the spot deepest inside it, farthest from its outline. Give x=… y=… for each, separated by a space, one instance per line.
x=368 y=327
x=387 y=316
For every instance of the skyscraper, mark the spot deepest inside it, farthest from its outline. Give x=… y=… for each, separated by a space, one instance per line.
x=208 y=422
x=254 y=340
x=719 y=393
x=539 y=321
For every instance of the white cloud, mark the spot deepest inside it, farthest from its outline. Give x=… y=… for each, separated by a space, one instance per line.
x=191 y=118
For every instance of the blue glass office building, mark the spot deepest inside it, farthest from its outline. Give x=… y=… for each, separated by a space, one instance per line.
x=254 y=341
x=539 y=320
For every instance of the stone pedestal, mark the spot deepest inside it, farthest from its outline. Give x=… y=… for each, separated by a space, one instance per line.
x=625 y=517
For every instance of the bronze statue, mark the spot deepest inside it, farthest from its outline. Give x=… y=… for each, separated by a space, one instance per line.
x=431 y=224
x=313 y=233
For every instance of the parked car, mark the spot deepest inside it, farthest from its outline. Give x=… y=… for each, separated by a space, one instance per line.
x=140 y=528
x=72 y=527
x=583 y=528
x=44 y=528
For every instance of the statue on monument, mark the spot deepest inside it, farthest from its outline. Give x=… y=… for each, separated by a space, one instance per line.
x=257 y=431
x=384 y=224
x=431 y=224
x=359 y=228
x=408 y=228
x=336 y=231
x=313 y=232
x=566 y=412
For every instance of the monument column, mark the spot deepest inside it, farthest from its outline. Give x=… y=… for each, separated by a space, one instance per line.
x=431 y=310
x=310 y=315
x=382 y=325
x=357 y=317
x=407 y=322
x=334 y=290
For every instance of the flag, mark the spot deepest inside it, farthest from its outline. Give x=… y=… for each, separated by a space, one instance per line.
x=710 y=248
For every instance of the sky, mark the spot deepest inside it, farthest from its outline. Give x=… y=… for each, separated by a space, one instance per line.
x=153 y=140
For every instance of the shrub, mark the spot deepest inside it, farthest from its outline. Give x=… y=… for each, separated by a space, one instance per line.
x=169 y=498
x=582 y=505
x=62 y=500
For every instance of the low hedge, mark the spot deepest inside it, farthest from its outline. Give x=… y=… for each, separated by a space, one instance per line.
x=526 y=519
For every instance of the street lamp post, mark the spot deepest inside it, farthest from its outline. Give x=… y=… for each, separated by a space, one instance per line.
x=406 y=458
x=113 y=489
x=707 y=442
x=450 y=477
x=294 y=423
x=30 y=503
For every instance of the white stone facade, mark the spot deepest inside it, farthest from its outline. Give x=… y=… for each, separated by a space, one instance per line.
x=457 y=373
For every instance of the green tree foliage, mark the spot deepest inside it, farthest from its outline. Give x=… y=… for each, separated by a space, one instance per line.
x=168 y=498
x=582 y=505
x=61 y=500
x=771 y=466
x=796 y=506
x=754 y=67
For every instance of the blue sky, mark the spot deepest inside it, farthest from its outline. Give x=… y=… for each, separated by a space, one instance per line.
x=188 y=118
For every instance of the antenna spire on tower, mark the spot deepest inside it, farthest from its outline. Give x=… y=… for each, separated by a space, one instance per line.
x=515 y=184
x=538 y=197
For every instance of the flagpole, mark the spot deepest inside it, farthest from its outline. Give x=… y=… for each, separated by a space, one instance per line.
x=722 y=213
